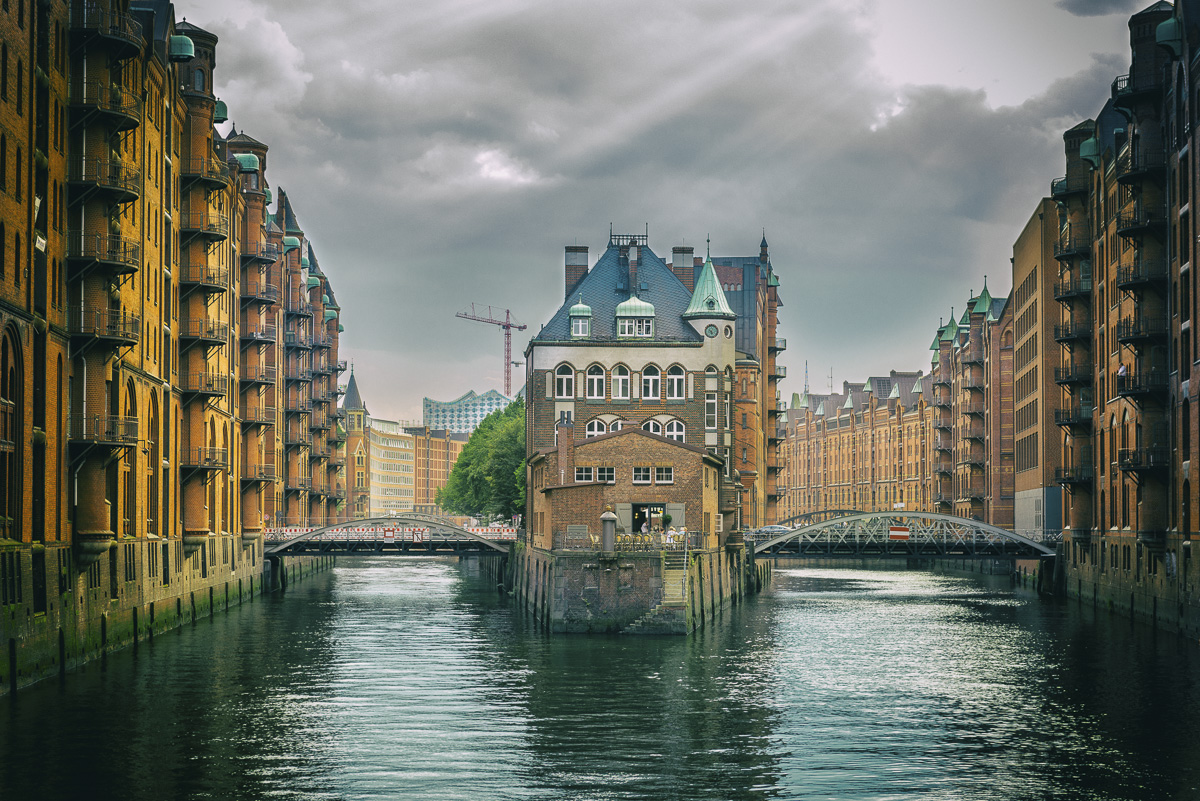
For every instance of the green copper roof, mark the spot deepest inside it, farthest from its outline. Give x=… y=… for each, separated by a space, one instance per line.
x=965 y=320
x=580 y=309
x=220 y=111
x=708 y=300
x=983 y=304
x=325 y=299
x=895 y=392
x=772 y=280
x=267 y=192
x=798 y=402
x=635 y=307
x=290 y=243
x=180 y=48
x=936 y=339
x=313 y=281
x=247 y=161
x=950 y=330
x=304 y=261
x=341 y=328
x=330 y=314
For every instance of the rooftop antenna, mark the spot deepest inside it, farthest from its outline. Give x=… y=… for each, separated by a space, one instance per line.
x=830 y=380
x=806 y=376
x=708 y=248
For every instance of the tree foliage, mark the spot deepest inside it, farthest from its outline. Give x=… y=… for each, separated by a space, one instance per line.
x=488 y=480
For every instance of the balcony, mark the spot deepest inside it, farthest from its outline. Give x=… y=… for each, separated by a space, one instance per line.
x=259 y=292
x=972 y=460
x=1144 y=460
x=321 y=368
x=210 y=278
x=204 y=170
x=263 y=252
x=1068 y=186
x=113 y=328
x=338 y=435
x=978 y=409
x=780 y=371
x=1129 y=90
x=297 y=339
x=318 y=423
x=970 y=358
x=258 y=332
x=207 y=385
x=206 y=225
x=1078 y=475
x=977 y=433
x=1071 y=245
x=341 y=368
x=1074 y=416
x=940 y=403
x=943 y=498
x=1073 y=375
x=119 y=108
x=206 y=332
x=299 y=308
x=1152 y=540
x=1142 y=384
x=118 y=255
x=943 y=444
x=298 y=406
x=298 y=483
x=258 y=474
x=969 y=494
x=1141 y=328
x=943 y=468
x=941 y=381
x=318 y=452
x=1076 y=330
x=293 y=439
x=322 y=341
x=1132 y=167
x=259 y=416
x=203 y=459
x=942 y=425
x=974 y=382
x=105 y=430
x=1142 y=272
x=337 y=460
x=338 y=493
x=297 y=374
x=341 y=390
x=1140 y=220
x=255 y=374
x=118 y=181
x=94 y=23
x=778 y=343
x=1072 y=289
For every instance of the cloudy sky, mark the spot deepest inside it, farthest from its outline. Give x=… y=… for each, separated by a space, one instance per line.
x=443 y=152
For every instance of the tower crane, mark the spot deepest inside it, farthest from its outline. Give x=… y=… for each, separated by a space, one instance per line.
x=486 y=315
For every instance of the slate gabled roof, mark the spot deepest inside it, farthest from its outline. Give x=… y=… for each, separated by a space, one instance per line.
x=599 y=290
x=353 y=399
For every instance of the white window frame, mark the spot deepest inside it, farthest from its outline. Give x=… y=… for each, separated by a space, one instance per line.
x=710 y=411
x=663 y=475
x=620 y=382
x=608 y=475
x=564 y=382
x=651 y=382
x=676 y=430
x=675 y=383
x=583 y=474
x=595 y=382
x=594 y=428
x=641 y=471
x=653 y=426
x=581 y=326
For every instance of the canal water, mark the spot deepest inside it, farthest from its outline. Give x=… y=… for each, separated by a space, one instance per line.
x=388 y=678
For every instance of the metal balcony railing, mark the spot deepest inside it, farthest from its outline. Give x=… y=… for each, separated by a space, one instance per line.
x=213 y=331
x=259 y=415
x=1077 y=474
x=1074 y=416
x=258 y=473
x=203 y=168
x=1141 y=272
x=259 y=332
x=96 y=18
x=1073 y=330
x=1136 y=460
x=259 y=251
x=1141 y=383
x=1061 y=188
x=1141 y=327
x=202 y=223
x=121 y=254
x=257 y=374
x=204 y=458
x=260 y=292
x=115 y=327
x=101 y=429
x=1074 y=287
x=208 y=276
x=201 y=383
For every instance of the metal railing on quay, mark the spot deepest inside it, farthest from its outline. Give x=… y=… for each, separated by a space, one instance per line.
x=631 y=543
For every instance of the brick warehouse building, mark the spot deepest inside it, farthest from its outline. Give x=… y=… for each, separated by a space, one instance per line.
x=629 y=405
x=1125 y=249
x=143 y=289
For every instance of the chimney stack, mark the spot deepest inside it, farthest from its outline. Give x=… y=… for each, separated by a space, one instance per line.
x=681 y=265
x=576 y=266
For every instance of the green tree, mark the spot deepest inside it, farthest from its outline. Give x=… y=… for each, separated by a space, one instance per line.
x=488 y=480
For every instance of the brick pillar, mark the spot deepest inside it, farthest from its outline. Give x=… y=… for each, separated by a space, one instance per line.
x=565 y=428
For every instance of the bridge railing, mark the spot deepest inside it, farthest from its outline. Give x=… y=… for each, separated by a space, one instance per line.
x=576 y=541
x=387 y=534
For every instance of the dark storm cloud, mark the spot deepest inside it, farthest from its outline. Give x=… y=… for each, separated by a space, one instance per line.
x=445 y=153
x=1098 y=8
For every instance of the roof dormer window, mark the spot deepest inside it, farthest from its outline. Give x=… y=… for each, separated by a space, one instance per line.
x=635 y=327
x=581 y=320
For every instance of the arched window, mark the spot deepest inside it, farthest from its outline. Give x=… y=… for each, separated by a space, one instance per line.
x=615 y=425
x=595 y=382
x=675 y=383
x=620 y=382
x=675 y=430
x=653 y=426
x=11 y=406
x=3 y=163
x=650 y=383
x=198 y=80
x=564 y=382
x=594 y=428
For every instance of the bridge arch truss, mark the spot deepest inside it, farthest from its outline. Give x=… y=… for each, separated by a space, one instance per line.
x=911 y=534
x=440 y=536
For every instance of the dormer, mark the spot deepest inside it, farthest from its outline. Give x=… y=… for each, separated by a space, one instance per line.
x=581 y=320
x=635 y=318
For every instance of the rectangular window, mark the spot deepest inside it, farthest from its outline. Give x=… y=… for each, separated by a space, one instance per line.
x=583 y=474
x=579 y=326
x=664 y=475
x=710 y=410
x=641 y=475
x=606 y=474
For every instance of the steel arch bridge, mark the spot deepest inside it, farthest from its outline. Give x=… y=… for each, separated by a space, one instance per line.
x=437 y=537
x=907 y=535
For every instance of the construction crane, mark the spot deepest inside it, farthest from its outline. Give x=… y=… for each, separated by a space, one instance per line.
x=488 y=316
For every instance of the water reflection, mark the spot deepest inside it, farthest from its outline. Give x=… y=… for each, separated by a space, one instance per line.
x=414 y=679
